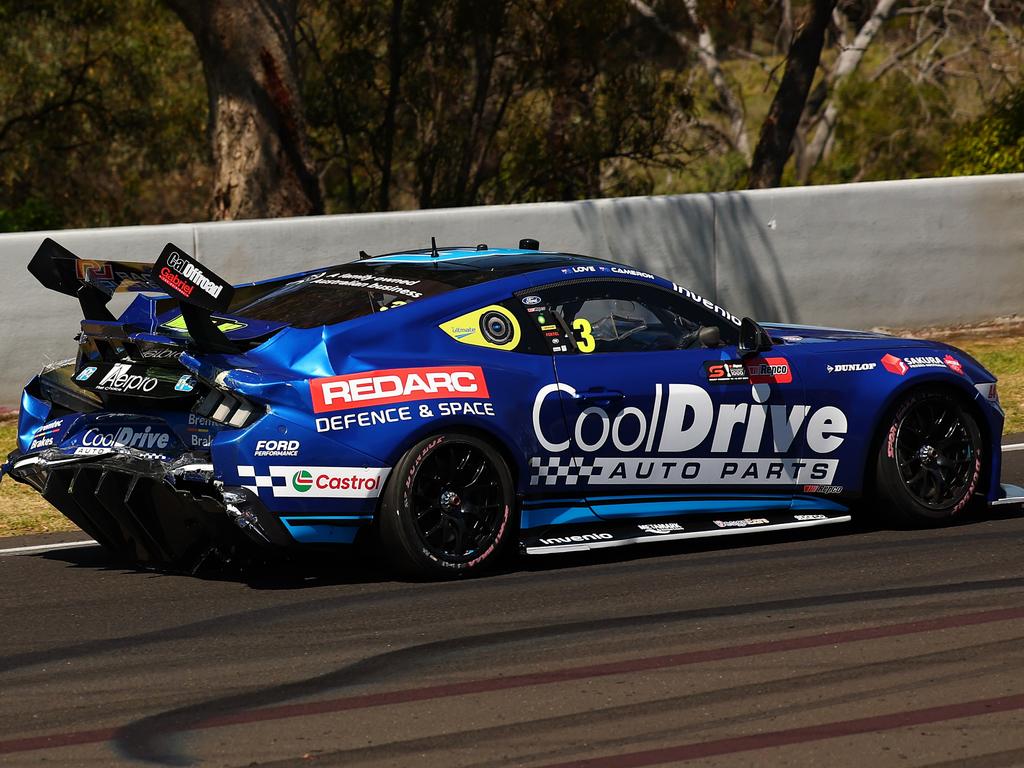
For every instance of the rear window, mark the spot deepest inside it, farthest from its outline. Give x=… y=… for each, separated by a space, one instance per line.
x=344 y=294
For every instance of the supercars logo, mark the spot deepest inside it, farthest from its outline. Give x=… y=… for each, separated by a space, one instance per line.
x=725 y=371
x=397 y=385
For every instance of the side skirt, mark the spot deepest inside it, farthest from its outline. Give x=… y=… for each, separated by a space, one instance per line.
x=552 y=540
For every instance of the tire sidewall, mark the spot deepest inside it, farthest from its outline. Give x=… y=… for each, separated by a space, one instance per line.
x=398 y=530
x=890 y=484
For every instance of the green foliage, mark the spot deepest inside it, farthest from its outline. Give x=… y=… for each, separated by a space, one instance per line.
x=101 y=114
x=994 y=143
x=892 y=129
x=486 y=101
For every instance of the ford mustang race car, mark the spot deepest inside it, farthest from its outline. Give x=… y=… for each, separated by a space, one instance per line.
x=457 y=402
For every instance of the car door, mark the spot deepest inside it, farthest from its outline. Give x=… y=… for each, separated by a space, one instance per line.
x=658 y=423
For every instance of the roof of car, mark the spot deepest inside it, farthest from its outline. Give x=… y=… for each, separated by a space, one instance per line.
x=503 y=261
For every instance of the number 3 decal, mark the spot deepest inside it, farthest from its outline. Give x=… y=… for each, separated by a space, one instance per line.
x=585 y=343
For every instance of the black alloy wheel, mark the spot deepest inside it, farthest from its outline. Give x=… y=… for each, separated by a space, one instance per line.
x=930 y=460
x=447 y=507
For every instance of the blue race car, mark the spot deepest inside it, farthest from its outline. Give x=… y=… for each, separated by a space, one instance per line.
x=456 y=402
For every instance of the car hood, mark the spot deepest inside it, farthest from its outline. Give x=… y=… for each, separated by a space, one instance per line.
x=795 y=334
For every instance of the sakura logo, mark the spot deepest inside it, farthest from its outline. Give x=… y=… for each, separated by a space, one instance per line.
x=894 y=364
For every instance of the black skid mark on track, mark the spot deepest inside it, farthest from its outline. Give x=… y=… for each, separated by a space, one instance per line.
x=610 y=717
x=156 y=738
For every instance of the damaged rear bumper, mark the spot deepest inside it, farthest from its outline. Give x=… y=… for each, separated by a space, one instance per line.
x=143 y=509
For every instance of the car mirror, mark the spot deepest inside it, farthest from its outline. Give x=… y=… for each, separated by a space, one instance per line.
x=753 y=338
x=709 y=336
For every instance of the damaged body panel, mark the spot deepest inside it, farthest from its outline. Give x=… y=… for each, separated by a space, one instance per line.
x=456 y=402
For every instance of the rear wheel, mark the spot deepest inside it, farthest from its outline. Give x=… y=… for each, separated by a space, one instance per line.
x=930 y=458
x=447 y=508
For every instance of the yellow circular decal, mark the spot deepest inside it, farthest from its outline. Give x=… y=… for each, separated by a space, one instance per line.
x=494 y=327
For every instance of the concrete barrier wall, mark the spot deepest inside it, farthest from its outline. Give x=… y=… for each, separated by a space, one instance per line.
x=899 y=253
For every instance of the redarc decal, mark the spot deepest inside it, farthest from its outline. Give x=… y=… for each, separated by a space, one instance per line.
x=397 y=385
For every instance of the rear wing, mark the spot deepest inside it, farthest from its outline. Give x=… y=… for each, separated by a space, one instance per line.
x=195 y=287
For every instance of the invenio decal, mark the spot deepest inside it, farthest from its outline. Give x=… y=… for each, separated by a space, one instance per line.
x=396 y=385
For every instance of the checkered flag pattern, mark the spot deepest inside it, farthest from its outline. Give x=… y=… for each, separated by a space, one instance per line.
x=260 y=481
x=561 y=470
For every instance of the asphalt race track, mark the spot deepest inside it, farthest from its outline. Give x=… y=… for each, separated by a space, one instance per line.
x=848 y=647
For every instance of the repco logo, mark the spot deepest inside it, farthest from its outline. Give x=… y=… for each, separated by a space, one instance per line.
x=194 y=274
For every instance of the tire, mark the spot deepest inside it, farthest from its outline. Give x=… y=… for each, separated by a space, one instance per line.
x=447 y=508
x=930 y=458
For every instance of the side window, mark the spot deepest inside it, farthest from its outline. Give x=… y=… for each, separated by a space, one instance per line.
x=621 y=316
x=617 y=324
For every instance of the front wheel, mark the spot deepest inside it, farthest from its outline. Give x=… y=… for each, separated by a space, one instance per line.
x=447 y=507
x=930 y=458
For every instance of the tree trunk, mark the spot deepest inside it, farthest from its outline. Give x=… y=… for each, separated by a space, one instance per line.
x=846 y=64
x=257 y=127
x=776 y=141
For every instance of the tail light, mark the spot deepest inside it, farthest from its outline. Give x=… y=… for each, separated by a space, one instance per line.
x=228 y=408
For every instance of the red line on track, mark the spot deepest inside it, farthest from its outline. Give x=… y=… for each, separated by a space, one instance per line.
x=493 y=684
x=862 y=725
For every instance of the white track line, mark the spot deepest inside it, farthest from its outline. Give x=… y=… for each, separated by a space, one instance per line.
x=46 y=547
x=1013 y=447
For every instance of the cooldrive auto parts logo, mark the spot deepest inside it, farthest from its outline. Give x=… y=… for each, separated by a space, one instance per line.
x=396 y=385
x=685 y=438
x=317 y=482
x=126 y=437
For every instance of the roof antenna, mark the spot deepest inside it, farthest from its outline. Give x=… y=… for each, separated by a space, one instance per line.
x=433 y=248
x=363 y=255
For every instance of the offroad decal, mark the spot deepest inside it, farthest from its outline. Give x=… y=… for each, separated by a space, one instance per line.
x=185 y=278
